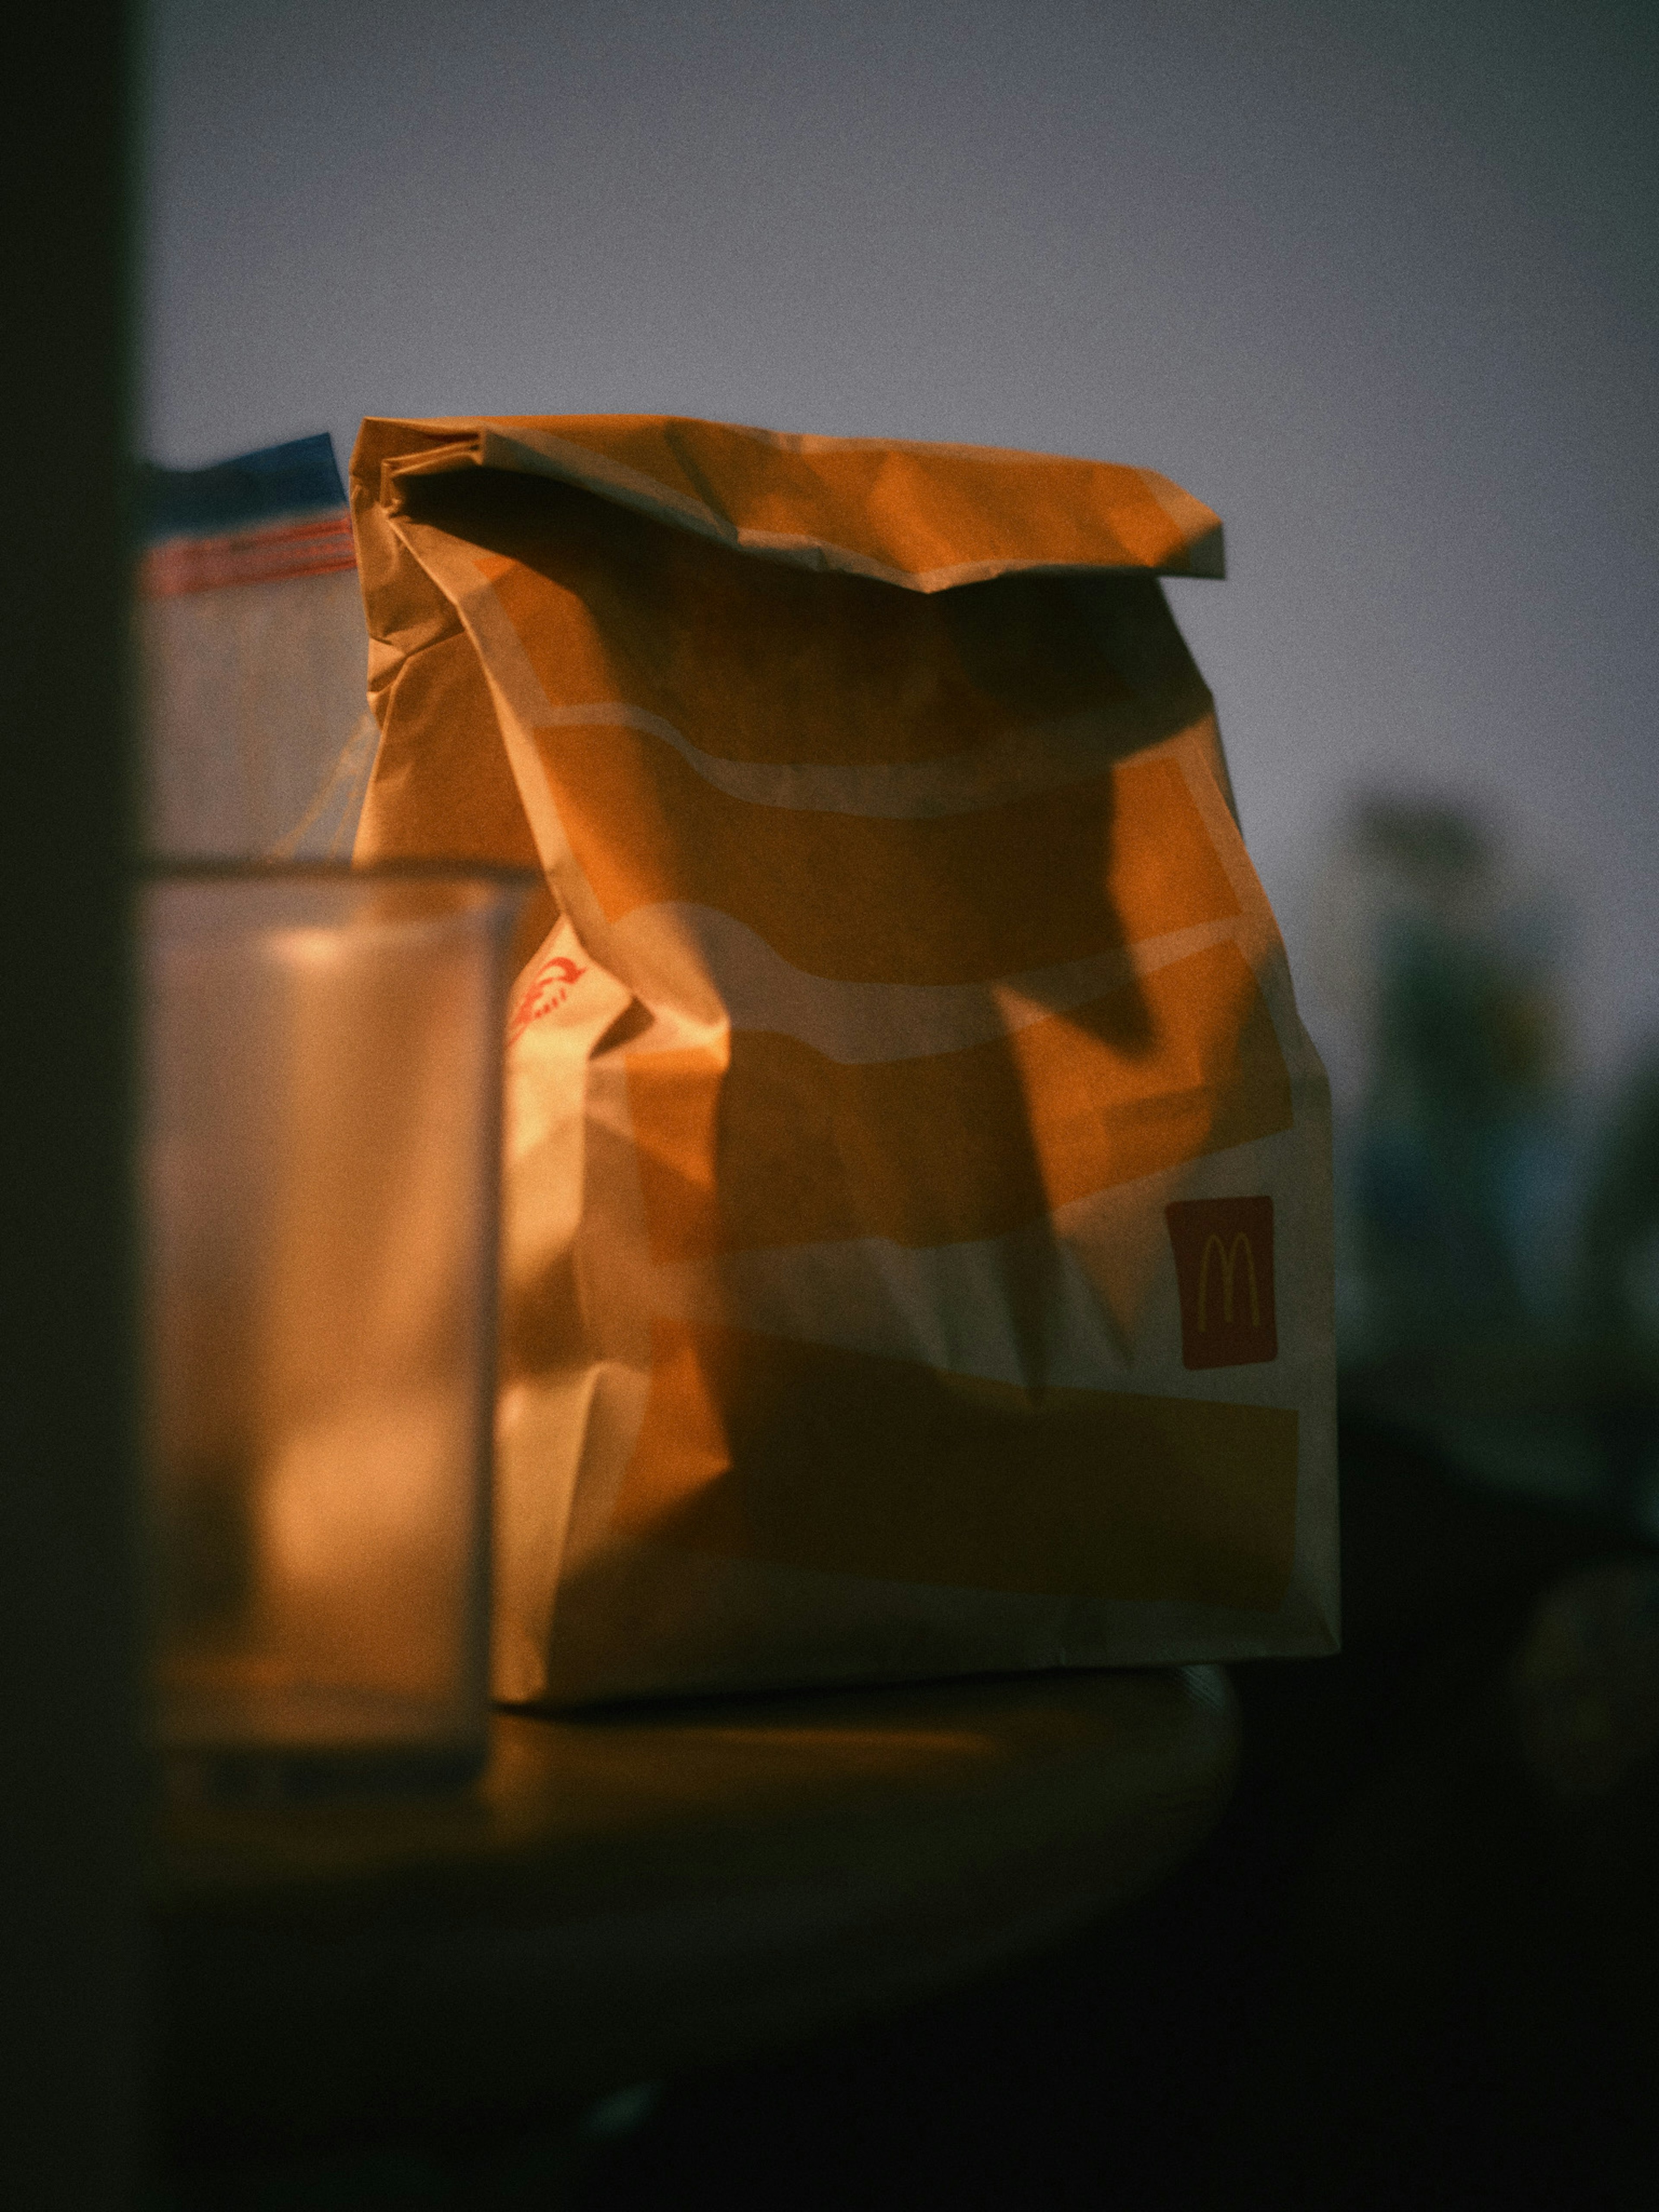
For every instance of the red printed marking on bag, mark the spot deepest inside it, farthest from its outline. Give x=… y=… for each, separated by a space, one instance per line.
x=553 y=983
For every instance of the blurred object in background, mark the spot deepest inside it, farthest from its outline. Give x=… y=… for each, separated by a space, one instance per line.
x=253 y=658
x=1498 y=1233
x=1618 y=1259
x=1456 y=1144
x=1585 y=1683
x=1617 y=1292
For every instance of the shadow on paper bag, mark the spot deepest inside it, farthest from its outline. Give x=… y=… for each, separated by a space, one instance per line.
x=918 y=1248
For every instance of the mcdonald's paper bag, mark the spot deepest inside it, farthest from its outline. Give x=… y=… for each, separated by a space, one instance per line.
x=917 y=1175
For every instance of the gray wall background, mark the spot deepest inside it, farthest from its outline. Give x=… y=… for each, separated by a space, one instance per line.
x=1377 y=281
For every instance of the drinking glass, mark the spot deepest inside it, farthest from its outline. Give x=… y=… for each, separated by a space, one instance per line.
x=320 y=1142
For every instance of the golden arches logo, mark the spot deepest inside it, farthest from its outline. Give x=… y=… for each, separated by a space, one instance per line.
x=1228 y=1257
x=1232 y=1321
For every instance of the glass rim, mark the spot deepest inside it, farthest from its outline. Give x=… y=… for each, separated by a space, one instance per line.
x=162 y=869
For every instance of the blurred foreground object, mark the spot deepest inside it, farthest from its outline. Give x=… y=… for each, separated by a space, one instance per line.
x=253 y=658
x=321 y=1133
x=70 y=2089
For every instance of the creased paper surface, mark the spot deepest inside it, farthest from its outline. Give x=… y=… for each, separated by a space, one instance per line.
x=918 y=1233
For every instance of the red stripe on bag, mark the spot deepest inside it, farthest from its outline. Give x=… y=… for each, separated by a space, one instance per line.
x=204 y=564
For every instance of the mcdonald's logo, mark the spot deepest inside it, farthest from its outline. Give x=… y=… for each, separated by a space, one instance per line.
x=1224 y=1257
x=1227 y=1258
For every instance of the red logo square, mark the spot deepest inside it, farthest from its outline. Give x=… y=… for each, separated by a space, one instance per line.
x=1224 y=1257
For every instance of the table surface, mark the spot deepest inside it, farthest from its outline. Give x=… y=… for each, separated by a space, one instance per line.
x=636 y=1893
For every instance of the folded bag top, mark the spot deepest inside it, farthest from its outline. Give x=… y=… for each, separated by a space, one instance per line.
x=918 y=1250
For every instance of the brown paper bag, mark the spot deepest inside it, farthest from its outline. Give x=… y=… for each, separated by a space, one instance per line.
x=917 y=1175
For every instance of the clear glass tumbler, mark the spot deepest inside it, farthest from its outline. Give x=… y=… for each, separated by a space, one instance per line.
x=321 y=1133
